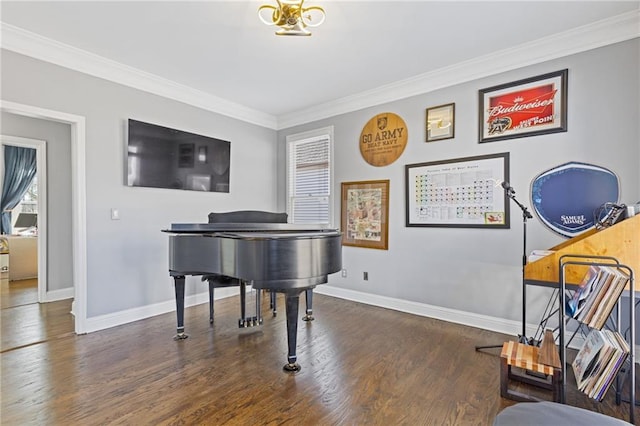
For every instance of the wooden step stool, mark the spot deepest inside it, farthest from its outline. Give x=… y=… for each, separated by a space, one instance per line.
x=534 y=360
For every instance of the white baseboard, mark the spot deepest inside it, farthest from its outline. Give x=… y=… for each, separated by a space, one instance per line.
x=499 y=325
x=102 y=322
x=62 y=294
x=485 y=322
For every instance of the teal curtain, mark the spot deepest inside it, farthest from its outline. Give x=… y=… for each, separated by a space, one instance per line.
x=19 y=171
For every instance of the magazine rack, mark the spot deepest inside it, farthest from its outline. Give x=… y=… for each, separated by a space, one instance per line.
x=586 y=261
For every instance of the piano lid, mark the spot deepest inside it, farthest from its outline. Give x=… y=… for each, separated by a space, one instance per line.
x=206 y=228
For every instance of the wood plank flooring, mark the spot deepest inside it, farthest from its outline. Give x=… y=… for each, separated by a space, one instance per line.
x=17 y=293
x=360 y=365
x=25 y=321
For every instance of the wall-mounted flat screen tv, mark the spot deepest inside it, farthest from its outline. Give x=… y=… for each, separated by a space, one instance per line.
x=160 y=157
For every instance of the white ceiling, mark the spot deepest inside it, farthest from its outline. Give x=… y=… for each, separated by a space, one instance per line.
x=222 y=49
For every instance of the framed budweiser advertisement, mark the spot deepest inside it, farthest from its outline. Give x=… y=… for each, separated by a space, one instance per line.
x=529 y=107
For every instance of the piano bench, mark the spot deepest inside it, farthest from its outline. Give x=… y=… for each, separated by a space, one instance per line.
x=523 y=356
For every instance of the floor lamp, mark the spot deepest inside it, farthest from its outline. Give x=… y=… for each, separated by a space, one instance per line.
x=522 y=338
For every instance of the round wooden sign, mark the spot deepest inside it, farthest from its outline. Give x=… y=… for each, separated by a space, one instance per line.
x=383 y=139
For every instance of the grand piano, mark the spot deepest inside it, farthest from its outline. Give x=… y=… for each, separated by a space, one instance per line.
x=279 y=257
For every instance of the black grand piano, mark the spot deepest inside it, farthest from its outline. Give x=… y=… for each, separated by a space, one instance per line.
x=257 y=248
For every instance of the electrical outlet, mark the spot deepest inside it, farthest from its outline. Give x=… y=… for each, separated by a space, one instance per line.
x=365 y=276
x=344 y=273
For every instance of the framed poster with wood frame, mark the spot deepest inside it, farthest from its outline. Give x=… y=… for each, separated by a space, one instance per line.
x=529 y=107
x=461 y=192
x=365 y=212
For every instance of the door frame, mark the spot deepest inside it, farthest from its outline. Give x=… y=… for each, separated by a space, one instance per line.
x=78 y=195
x=41 y=172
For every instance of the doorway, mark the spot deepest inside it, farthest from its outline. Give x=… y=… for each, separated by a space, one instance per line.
x=26 y=319
x=24 y=242
x=78 y=184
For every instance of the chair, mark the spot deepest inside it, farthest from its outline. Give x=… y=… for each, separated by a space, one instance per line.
x=537 y=363
x=552 y=413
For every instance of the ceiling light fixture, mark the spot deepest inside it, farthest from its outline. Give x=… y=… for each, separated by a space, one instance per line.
x=291 y=17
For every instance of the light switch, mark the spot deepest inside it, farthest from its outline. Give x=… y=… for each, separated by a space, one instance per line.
x=115 y=214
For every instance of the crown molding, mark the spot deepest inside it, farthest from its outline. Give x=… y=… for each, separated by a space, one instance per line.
x=601 y=33
x=30 y=44
x=608 y=31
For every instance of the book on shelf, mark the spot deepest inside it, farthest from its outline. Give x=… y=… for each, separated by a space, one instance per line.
x=577 y=302
x=596 y=295
x=538 y=254
x=598 y=362
x=610 y=298
x=587 y=358
x=604 y=358
x=612 y=369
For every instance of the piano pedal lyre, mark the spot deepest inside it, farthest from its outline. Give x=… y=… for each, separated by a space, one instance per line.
x=248 y=321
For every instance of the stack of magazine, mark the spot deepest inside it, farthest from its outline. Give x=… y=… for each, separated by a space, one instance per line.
x=598 y=362
x=597 y=294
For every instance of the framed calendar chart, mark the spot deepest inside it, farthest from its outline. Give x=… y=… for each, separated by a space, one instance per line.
x=461 y=192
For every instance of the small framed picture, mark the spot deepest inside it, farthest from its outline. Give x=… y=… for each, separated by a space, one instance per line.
x=440 y=122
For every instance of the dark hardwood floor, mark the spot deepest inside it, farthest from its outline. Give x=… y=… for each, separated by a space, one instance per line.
x=360 y=365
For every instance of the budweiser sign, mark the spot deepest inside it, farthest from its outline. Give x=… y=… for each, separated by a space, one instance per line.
x=524 y=108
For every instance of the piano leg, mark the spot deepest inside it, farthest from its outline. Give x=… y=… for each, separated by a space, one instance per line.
x=242 y=323
x=211 y=287
x=179 y=284
x=292 y=300
x=308 y=296
x=257 y=320
x=273 y=302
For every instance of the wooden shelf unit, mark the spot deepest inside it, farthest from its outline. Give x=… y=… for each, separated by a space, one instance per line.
x=620 y=241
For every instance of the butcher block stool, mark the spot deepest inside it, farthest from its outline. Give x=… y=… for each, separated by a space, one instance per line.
x=535 y=372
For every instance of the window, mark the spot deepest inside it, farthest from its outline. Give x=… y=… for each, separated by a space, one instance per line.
x=309 y=177
x=28 y=203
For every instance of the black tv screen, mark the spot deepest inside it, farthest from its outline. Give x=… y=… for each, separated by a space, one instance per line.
x=160 y=157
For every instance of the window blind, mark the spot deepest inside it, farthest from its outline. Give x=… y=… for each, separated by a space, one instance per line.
x=309 y=183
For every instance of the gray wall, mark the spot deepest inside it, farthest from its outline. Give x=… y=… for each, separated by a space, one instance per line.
x=127 y=258
x=479 y=270
x=58 y=138
x=470 y=270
